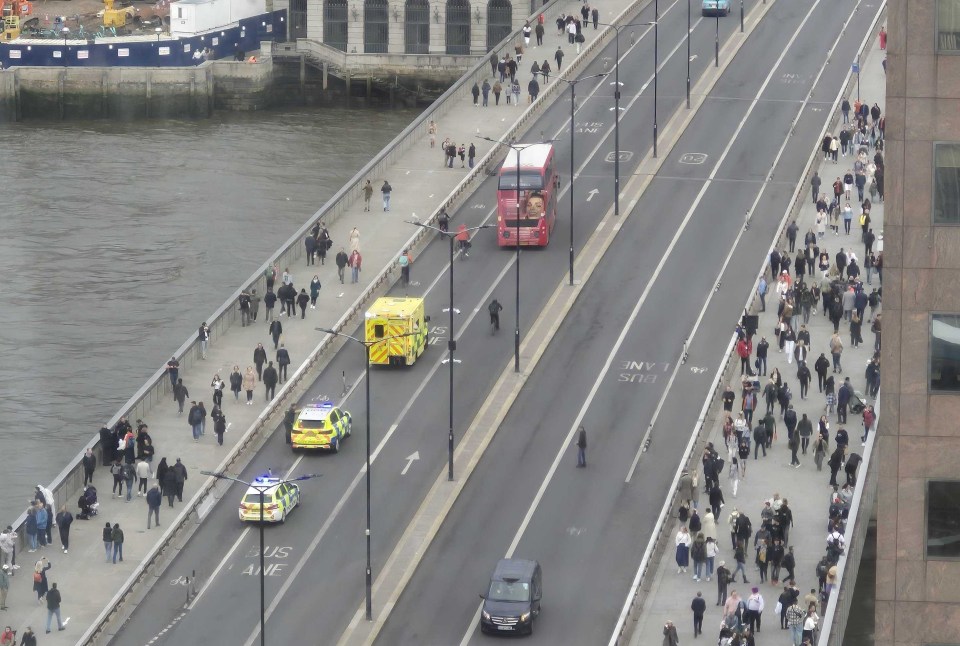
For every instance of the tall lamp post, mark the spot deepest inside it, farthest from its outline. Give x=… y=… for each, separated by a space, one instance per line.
x=451 y=343
x=716 y=46
x=688 y=54
x=261 y=486
x=367 y=345
x=573 y=107
x=616 y=108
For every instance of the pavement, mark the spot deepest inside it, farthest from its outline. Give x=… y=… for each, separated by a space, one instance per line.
x=808 y=491
x=420 y=184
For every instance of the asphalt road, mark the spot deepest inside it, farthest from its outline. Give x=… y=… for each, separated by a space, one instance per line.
x=316 y=561
x=588 y=528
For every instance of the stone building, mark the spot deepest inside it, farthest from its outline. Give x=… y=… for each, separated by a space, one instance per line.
x=451 y=27
x=918 y=495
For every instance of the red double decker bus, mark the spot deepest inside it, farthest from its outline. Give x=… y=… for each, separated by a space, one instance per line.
x=534 y=167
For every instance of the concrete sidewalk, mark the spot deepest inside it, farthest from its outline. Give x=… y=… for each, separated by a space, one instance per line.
x=420 y=184
x=808 y=491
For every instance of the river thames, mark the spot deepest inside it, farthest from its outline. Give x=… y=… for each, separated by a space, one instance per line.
x=118 y=239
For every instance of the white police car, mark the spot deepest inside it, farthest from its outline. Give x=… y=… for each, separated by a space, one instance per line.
x=279 y=499
x=321 y=425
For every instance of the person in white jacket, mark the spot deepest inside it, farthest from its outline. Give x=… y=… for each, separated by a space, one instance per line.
x=143 y=476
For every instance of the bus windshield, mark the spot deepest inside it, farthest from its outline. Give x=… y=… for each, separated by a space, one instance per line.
x=528 y=180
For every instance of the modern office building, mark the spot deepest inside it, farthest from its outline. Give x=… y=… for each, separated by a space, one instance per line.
x=918 y=496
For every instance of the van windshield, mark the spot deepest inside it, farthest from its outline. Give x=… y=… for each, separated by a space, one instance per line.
x=509 y=591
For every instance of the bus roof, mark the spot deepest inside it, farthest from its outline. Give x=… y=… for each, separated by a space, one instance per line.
x=531 y=156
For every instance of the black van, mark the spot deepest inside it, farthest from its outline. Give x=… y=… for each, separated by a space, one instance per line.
x=512 y=601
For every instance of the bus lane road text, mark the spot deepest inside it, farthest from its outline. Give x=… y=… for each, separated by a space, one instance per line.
x=641 y=372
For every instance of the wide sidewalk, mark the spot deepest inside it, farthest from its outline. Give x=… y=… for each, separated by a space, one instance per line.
x=420 y=184
x=807 y=490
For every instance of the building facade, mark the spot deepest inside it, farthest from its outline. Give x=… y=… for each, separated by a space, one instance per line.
x=451 y=27
x=918 y=497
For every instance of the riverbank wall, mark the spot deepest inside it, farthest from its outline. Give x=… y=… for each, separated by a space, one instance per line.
x=130 y=93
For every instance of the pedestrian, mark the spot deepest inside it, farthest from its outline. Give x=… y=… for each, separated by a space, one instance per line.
x=493 y=70
x=40 y=585
x=581 y=447
x=815 y=183
x=698 y=552
x=368 y=187
x=342 y=261
x=270 y=378
x=117 y=535
x=670 y=635
x=794 y=621
x=180 y=471
x=29 y=638
x=682 y=541
x=355 y=261
x=289 y=419
x=595 y=14
x=180 y=394
x=217 y=385
x=314 y=291
x=538 y=32
x=220 y=427
x=89 y=465
x=533 y=89
x=53 y=608
x=485 y=89
x=515 y=90
x=303 y=299
x=497 y=90
x=404 y=262
x=144 y=474
x=203 y=336
x=545 y=71
x=471 y=155
x=194 y=417
x=754 y=609
x=283 y=360
x=254 y=304
x=526 y=31
x=168 y=482
x=116 y=469
x=244 y=302
x=475 y=91
x=386 y=189
x=788 y=563
x=699 y=607
x=810 y=624
x=723 y=579
x=269 y=300
x=154 y=498
x=64 y=520
x=794 y=445
x=250 y=380
x=173 y=370
x=558 y=56
x=275 y=330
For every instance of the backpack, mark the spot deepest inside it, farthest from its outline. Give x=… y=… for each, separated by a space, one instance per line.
x=37 y=577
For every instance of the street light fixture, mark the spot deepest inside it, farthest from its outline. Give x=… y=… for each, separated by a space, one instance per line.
x=573 y=106
x=616 y=107
x=367 y=345
x=451 y=343
x=261 y=489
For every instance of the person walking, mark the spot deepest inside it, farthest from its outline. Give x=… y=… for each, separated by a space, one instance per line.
x=682 y=542
x=180 y=472
x=386 y=190
x=558 y=57
x=497 y=91
x=314 y=291
x=485 y=89
x=249 y=381
x=236 y=382
x=723 y=580
x=117 y=535
x=259 y=358
x=168 y=481
x=217 y=385
x=173 y=370
x=53 y=607
x=275 y=330
x=144 y=474
x=582 y=447
x=303 y=299
x=180 y=394
x=220 y=427
x=4 y=587
x=270 y=379
x=203 y=336
x=64 y=520
x=194 y=417
x=154 y=498
x=475 y=91
x=269 y=301
x=342 y=261
x=355 y=261
x=533 y=89
x=244 y=301
x=283 y=360
x=670 y=637
x=40 y=584
x=89 y=466
x=404 y=261
x=699 y=607
x=368 y=187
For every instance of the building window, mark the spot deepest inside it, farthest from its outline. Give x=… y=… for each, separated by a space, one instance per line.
x=946 y=183
x=945 y=353
x=948 y=25
x=943 y=519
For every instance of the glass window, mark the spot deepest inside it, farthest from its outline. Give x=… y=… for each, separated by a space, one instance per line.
x=946 y=183
x=945 y=353
x=948 y=25
x=943 y=519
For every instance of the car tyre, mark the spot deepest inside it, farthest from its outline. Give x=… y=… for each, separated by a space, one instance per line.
x=283 y=516
x=335 y=445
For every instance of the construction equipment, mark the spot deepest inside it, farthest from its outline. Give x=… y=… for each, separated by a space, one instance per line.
x=12 y=12
x=116 y=17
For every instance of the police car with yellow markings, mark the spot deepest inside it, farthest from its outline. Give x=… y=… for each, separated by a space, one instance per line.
x=321 y=426
x=279 y=499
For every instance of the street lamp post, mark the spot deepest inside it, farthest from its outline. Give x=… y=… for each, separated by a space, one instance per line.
x=616 y=111
x=716 y=46
x=688 y=54
x=573 y=107
x=656 y=65
x=741 y=16
x=366 y=346
x=451 y=342
x=260 y=489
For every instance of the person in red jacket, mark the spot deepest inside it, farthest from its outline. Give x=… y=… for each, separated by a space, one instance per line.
x=744 y=349
x=869 y=417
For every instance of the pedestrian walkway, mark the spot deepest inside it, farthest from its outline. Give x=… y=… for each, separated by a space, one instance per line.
x=671 y=593
x=420 y=183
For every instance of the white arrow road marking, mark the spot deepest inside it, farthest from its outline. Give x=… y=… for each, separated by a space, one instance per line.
x=410 y=459
x=592 y=193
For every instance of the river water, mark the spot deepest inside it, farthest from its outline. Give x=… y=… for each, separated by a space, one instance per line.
x=117 y=239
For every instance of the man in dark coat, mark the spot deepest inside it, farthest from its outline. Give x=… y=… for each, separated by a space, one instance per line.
x=283 y=360
x=108 y=443
x=270 y=379
x=276 y=329
x=180 y=473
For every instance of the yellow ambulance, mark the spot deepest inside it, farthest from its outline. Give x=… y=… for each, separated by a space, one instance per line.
x=396 y=328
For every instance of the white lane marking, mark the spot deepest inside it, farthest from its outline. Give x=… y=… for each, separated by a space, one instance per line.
x=410 y=460
x=356 y=481
x=568 y=440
